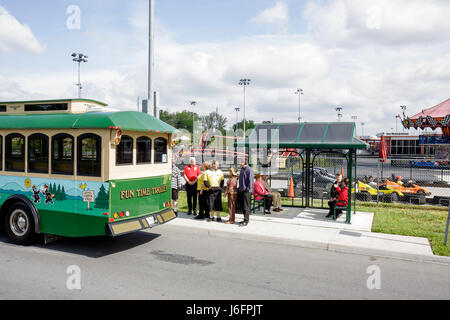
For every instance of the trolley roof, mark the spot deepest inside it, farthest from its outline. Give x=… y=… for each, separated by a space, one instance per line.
x=126 y=120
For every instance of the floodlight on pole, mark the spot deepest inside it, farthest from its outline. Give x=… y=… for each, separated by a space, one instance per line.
x=79 y=58
x=338 y=110
x=299 y=91
x=244 y=83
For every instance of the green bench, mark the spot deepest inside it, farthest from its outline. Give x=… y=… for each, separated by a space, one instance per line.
x=257 y=204
x=339 y=207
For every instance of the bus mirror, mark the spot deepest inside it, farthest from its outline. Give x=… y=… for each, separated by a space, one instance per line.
x=116 y=137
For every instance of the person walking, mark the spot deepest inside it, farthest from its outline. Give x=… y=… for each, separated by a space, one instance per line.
x=334 y=194
x=176 y=186
x=276 y=196
x=246 y=178
x=231 y=194
x=260 y=193
x=214 y=181
x=203 y=193
x=191 y=173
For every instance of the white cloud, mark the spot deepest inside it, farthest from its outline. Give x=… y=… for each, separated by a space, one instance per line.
x=368 y=76
x=277 y=16
x=353 y=23
x=16 y=36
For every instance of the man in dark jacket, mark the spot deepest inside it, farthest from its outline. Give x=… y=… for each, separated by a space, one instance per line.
x=334 y=194
x=246 y=180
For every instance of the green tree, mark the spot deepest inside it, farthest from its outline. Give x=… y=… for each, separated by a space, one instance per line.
x=58 y=193
x=214 y=121
x=102 y=200
x=180 y=120
x=63 y=194
x=249 y=124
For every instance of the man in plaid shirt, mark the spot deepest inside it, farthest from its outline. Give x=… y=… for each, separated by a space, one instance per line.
x=176 y=185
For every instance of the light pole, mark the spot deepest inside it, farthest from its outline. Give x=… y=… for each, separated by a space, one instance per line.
x=79 y=57
x=362 y=126
x=396 y=123
x=299 y=92
x=354 y=118
x=193 y=104
x=244 y=83
x=338 y=110
x=237 y=109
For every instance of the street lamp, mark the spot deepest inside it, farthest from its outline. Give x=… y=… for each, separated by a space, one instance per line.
x=79 y=57
x=396 y=123
x=354 y=118
x=338 y=110
x=362 y=126
x=193 y=104
x=244 y=83
x=299 y=92
x=237 y=109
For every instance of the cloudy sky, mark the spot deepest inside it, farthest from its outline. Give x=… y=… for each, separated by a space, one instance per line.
x=369 y=56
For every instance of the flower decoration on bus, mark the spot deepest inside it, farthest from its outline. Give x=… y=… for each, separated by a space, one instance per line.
x=27 y=183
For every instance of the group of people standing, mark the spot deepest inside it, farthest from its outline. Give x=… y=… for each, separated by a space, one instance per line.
x=204 y=185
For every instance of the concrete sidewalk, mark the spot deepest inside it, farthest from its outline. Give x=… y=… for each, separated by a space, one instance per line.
x=308 y=228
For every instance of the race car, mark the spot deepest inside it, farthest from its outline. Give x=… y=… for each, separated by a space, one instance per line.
x=386 y=193
x=407 y=188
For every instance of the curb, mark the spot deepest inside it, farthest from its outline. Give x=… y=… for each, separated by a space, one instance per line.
x=319 y=245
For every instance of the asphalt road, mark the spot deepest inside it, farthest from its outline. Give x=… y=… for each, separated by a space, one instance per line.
x=175 y=263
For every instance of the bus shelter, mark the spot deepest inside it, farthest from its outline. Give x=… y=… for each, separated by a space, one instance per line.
x=311 y=140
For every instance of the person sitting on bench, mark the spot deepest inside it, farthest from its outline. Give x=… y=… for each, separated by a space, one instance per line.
x=261 y=193
x=342 y=200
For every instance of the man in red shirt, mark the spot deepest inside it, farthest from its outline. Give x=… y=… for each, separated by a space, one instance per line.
x=191 y=173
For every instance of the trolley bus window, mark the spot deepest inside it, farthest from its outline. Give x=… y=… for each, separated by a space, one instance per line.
x=62 y=154
x=89 y=155
x=38 y=153
x=2 y=108
x=160 y=150
x=144 y=150
x=15 y=152
x=124 y=151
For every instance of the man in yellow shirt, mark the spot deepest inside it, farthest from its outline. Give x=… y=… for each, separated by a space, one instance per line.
x=214 y=181
x=203 y=194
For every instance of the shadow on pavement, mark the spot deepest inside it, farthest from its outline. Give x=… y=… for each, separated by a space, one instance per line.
x=93 y=247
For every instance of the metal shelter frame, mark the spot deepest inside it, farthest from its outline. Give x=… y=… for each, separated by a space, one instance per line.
x=315 y=139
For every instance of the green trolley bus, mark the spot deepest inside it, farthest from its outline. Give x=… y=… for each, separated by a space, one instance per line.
x=74 y=168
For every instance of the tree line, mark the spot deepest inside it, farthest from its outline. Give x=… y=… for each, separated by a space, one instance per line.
x=212 y=121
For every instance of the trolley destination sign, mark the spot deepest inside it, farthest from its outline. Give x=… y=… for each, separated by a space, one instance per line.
x=140 y=193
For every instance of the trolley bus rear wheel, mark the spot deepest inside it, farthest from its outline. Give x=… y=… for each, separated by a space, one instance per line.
x=19 y=224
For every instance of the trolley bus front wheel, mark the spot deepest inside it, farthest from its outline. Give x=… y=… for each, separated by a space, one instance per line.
x=19 y=224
